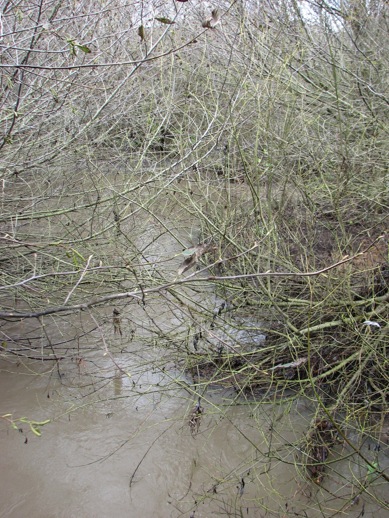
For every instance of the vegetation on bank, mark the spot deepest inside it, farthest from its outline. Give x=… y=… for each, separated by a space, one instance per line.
x=234 y=173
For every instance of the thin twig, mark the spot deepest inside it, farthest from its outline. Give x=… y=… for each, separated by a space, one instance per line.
x=79 y=280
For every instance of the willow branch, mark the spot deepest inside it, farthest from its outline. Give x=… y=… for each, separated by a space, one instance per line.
x=140 y=293
x=79 y=280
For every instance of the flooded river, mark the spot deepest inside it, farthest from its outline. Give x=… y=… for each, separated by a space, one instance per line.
x=121 y=445
x=125 y=432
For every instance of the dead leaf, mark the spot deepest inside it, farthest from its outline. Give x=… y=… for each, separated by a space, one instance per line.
x=297 y=363
x=211 y=22
x=116 y=322
x=165 y=20
x=196 y=253
x=141 y=32
x=215 y=16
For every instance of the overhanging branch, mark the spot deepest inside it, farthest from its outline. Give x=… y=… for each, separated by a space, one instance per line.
x=140 y=293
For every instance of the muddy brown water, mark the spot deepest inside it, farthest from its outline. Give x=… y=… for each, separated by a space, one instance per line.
x=118 y=442
x=125 y=449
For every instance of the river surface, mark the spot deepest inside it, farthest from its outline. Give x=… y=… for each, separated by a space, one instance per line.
x=125 y=436
x=125 y=448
